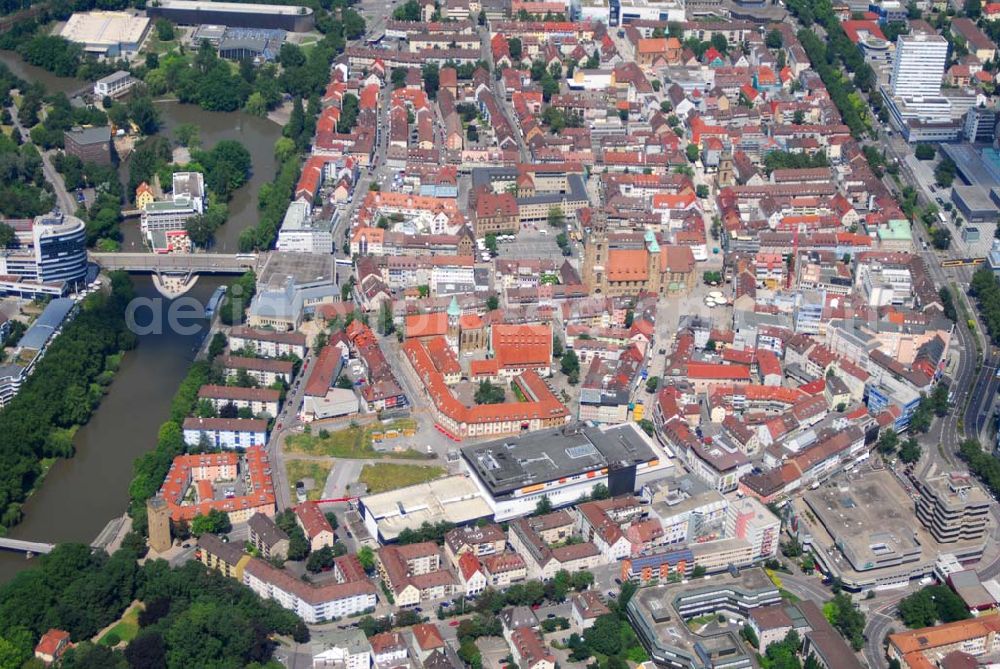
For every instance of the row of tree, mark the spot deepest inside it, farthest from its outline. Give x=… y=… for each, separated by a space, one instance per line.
x=985 y=288
x=982 y=464
x=65 y=388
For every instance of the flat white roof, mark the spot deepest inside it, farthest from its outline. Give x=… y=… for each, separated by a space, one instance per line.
x=105 y=28
x=236 y=7
x=455 y=499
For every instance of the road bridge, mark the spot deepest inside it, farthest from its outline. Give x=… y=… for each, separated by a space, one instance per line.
x=30 y=547
x=178 y=263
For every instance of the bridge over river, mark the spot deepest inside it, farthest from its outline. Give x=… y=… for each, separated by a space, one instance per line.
x=29 y=547
x=179 y=263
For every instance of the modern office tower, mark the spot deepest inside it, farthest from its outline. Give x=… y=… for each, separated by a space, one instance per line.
x=919 y=65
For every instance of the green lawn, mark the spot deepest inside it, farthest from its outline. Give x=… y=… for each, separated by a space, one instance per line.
x=351 y=442
x=387 y=476
x=126 y=629
x=308 y=469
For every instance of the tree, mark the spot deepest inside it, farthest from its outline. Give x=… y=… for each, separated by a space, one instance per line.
x=143 y=113
x=604 y=636
x=320 y=560
x=570 y=366
x=843 y=614
x=386 y=325
x=432 y=79
x=408 y=11
x=8 y=238
x=514 y=46
x=492 y=302
x=691 y=152
x=924 y=152
x=941 y=238
x=214 y=522
x=750 y=636
x=944 y=172
x=888 y=442
x=217 y=345
x=147 y=650
x=543 y=506
x=720 y=42
x=354 y=24
x=557 y=346
x=366 y=556
x=698 y=571
x=652 y=383
x=256 y=105
x=189 y=135
x=488 y=393
x=774 y=40
x=398 y=77
x=556 y=219
x=470 y=654
x=701 y=191
x=973 y=9
x=910 y=451
x=164 y=30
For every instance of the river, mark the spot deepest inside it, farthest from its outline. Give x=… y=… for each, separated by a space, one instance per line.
x=257 y=134
x=81 y=494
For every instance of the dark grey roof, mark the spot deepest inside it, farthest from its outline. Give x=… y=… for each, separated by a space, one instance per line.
x=47 y=323
x=227 y=552
x=94 y=135
x=547 y=455
x=266 y=529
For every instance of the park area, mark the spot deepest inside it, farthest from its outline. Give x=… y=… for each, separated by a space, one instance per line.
x=354 y=442
x=313 y=472
x=385 y=476
x=125 y=629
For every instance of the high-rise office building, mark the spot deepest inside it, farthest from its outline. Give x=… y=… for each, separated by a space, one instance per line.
x=919 y=65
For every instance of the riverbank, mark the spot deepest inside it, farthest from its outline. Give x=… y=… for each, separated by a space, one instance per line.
x=81 y=494
x=64 y=388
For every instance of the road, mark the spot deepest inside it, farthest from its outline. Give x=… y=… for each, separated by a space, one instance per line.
x=880 y=621
x=501 y=96
x=64 y=200
x=974 y=390
x=286 y=422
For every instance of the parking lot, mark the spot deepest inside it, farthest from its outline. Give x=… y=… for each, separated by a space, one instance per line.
x=535 y=243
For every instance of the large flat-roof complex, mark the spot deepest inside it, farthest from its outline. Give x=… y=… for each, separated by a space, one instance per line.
x=107 y=34
x=659 y=615
x=866 y=533
x=234 y=14
x=454 y=499
x=561 y=464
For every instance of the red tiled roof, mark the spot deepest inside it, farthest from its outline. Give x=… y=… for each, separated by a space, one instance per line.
x=312 y=519
x=516 y=346
x=51 y=642
x=707 y=370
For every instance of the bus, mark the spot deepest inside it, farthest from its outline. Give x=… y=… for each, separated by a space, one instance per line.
x=961 y=262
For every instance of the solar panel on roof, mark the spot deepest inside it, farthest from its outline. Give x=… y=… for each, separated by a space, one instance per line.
x=581 y=451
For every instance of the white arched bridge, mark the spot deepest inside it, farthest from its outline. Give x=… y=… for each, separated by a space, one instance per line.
x=29 y=547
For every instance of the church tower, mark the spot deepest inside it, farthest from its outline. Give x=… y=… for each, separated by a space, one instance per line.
x=595 y=253
x=725 y=175
x=454 y=314
x=653 y=262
